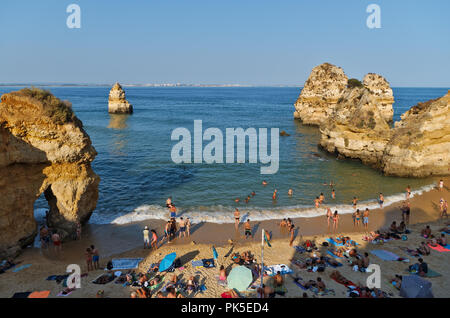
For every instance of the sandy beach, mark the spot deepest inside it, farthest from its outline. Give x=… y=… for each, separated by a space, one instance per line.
x=125 y=241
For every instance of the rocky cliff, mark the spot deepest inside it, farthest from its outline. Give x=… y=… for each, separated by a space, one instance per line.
x=118 y=103
x=418 y=145
x=43 y=149
x=320 y=94
x=327 y=86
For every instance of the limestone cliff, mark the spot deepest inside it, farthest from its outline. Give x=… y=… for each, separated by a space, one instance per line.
x=320 y=94
x=43 y=149
x=118 y=103
x=420 y=143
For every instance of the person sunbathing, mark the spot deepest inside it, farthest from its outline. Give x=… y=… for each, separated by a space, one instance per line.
x=424 y=249
x=426 y=232
x=397 y=281
x=442 y=240
x=432 y=241
x=265 y=292
x=337 y=276
x=155 y=280
x=191 y=284
x=332 y=262
x=172 y=293
x=278 y=280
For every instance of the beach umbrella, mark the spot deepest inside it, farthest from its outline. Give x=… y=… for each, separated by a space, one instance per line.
x=215 y=254
x=240 y=278
x=414 y=286
x=167 y=261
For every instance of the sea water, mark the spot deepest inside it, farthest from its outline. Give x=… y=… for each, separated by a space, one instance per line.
x=137 y=173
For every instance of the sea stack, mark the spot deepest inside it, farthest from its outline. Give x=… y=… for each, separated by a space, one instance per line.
x=117 y=103
x=327 y=86
x=43 y=150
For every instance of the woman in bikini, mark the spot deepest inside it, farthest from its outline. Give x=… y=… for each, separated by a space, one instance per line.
x=335 y=220
x=237 y=217
x=358 y=217
x=329 y=216
x=408 y=192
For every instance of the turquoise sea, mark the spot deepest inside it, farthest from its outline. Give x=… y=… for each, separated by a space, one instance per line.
x=137 y=173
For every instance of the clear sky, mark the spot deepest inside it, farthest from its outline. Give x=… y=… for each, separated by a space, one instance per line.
x=254 y=42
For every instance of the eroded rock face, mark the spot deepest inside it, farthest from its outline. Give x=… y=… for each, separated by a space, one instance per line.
x=420 y=143
x=117 y=103
x=327 y=85
x=43 y=149
x=357 y=128
x=320 y=94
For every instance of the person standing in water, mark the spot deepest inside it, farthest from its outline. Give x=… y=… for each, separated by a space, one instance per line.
x=408 y=192
x=154 y=240
x=333 y=194
x=274 y=195
x=381 y=200
x=146 y=234
x=317 y=202
x=441 y=185
x=290 y=192
x=173 y=211
x=264 y=183
x=321 y=198
x=354 y=202
x=237 y=217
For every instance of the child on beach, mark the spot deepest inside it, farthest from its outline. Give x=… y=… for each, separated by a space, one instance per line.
x=95 y=257
x=317 y=202
x=381 y=200
x=88 y=257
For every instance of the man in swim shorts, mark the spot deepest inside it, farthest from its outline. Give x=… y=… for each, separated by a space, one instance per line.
x=248 y=229
x=381 y=200
x=173 y=211
x=95 y=257
x=182 y=227
x=366 y=219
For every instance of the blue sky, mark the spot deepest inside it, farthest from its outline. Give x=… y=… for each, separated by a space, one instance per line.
x=229 y=41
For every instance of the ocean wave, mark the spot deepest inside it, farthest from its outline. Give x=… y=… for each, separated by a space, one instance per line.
x=224 y=214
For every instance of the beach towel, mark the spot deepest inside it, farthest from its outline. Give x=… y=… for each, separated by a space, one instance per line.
x=226 y=295
x=273 y=269
x=300 y=249
x=439 y=248
x=385 y=255
x=409 y=251
x=431 y=273
x=197 y=263
x=125 y=263
x=65 y=293
x=221 y=282
x=15 y=270
x=333 y=242
x=103 y=279
x=348 y=284
x=154 y=287
x=208 y=263
x=21 y=295
x=296 y=282
x=332 y=254
x=39 y=294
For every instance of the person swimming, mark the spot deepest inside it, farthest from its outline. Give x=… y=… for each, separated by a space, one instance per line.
x=264 y=183
x=290 y=192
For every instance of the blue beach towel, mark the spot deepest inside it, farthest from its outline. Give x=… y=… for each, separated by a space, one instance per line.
x=333 y=242
x=273 y=269
x=385 y=255
x=125 y=263
x=15 y=270
x=197 y=263
x=300 y=249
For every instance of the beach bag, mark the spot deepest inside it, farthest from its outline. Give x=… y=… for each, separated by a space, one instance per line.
x=404 y=238
x=325 y=244
x=177 y=263
x=109 y=265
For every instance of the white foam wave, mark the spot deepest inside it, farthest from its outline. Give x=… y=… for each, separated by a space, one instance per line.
x=224 y=214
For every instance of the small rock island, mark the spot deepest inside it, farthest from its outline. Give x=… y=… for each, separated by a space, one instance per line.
x=117 y=103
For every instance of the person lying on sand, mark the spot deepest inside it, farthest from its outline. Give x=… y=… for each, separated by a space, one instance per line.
x=222 y=273
x=337 y=276
x=278 y=280
x=172 y=293
x=191 y=284
x=426 y=232
x=424 y=249
x=265 y=292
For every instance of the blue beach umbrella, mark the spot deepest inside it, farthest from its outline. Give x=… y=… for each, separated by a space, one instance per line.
x=167 y=261
x=215 y=253
x=240 y=278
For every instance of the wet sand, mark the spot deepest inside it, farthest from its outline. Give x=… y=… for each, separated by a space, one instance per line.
x=126 y=241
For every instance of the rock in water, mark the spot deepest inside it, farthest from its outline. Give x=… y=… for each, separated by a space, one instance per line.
x=417 y=146
x=328 y=85
x=320 y=94
x=117 y=103
x=43 y=149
